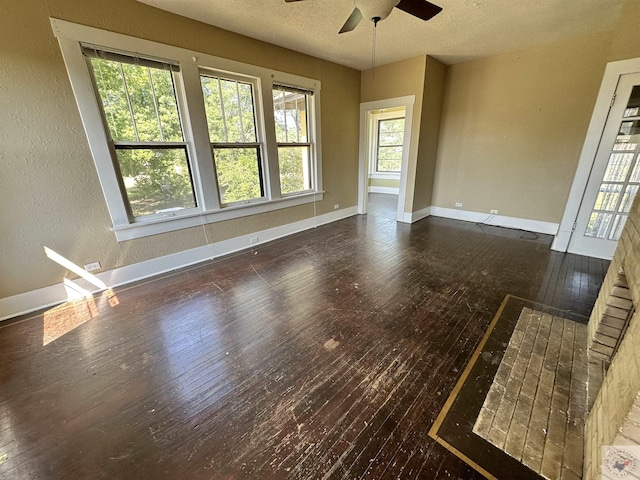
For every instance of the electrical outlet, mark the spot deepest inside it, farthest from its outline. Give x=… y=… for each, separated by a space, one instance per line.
x=493 y=212
x=90 y=267
x=458 y=204
x=253 y=241
x=336 y=206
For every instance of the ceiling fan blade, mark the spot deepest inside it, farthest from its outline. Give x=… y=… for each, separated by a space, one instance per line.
x=419 y=8
x=352 y=21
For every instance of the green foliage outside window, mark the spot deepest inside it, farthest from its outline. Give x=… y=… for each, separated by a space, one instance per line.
x=390 y=139
x=140 y=107
x=139 y=104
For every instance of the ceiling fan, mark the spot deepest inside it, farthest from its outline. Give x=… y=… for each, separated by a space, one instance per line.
x=377 y=10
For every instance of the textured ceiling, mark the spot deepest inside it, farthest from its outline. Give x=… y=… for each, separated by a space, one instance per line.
x=466 y=29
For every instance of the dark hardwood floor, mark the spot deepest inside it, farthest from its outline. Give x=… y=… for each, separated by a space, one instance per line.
x=327 y=354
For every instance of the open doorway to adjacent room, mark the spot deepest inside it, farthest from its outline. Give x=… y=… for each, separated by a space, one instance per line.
x=385 y=135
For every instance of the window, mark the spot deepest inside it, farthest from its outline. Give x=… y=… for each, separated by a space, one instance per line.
x=141 y=113
x=389 y=145
x=292 y=135
x=230 y=109
x=181 y=138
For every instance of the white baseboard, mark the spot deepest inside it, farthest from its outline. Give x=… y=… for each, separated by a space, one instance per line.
x=49 y=296
x=420 y=214
x=388 y=190
x=561 y=242
x=411 y=217
x=498 y=220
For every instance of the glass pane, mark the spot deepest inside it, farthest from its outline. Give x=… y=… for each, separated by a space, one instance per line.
x=618 y=167
x=631 y=112
x=391 y=132
x=239 y=174
x=628 y=137
x=635 y=175
x=633 y=107
x=389 y=159
x=294 y=169
x=598 y=224
x=624 y=143
x=627 y=198
x=608 y=196
x=618 y=225
x=156 y=180
x=230 y=110
x=290 y=115
x=139 y=102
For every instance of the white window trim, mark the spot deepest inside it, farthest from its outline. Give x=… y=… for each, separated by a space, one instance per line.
x=191 y=104
x=373 y=149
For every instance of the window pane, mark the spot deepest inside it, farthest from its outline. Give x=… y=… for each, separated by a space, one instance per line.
x=390 y=138
x=608 y=195
x=598 y=225
x=156 y=180
x=290 y=114
x=230 y=110
x=294 y=169
x=389 y=159
x=618 y=167
x=239 y=174
x=618 y=225
x=139 y=102
x=627 y=198
x=635 y=175
x=633 y=107
x=391 y=132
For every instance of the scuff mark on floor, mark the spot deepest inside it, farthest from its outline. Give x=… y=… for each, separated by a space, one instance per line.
x=331 y=344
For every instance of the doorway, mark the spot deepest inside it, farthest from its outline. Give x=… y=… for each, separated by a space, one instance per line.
x=615 y=176
x=608 y=175
x=385 y=136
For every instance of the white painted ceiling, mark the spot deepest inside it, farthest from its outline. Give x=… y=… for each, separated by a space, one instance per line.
x=464 y=30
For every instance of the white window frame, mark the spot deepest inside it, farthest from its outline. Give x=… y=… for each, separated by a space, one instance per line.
x=373 y=148
x=190 y=99
x=260 y=142
x=311 y=128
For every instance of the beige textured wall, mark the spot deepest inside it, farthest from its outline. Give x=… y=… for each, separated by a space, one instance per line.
x=51 y=195
x=513 y=128
x=393 y=80
x=384 y=182
x=432 y=99
x=625 y=41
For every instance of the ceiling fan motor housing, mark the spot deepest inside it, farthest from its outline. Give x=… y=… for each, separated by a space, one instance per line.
x=379 y=9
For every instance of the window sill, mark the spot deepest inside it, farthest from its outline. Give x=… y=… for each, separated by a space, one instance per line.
x=382 y=175
x=170 y=224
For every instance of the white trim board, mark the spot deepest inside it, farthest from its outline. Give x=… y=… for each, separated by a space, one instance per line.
x=420 y=214
x=412 y=217
x=537 y=226
x=49 y=296
x=387 y=190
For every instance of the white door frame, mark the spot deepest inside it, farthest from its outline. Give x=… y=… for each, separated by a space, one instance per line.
x=612 y=74
x=363 y=173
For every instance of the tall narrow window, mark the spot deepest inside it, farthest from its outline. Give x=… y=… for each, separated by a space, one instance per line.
x=141 y=111
x=389 y=148
x=290 y=109
x=231 y=119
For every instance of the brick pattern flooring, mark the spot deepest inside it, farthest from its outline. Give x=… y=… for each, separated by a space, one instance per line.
x=536 y=407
